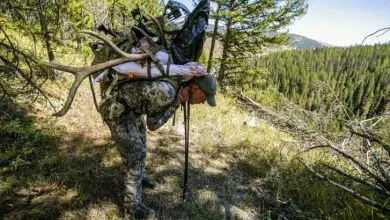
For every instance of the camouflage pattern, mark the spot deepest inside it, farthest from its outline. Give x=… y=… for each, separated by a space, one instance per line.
x=156 y=99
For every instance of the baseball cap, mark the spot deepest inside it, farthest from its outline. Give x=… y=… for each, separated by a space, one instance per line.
x=208 y=85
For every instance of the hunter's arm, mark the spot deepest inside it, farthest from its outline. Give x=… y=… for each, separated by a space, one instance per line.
x=162 y=98
x=189 y=69
x=154 y=122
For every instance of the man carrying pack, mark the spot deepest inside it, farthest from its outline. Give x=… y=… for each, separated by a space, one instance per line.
x=131 y=90
x=158 y=100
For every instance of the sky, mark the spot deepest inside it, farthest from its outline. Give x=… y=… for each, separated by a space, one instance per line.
x=341 y=22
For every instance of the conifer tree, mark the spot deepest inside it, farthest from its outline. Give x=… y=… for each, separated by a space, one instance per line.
x=325 y=79
x=250 y=25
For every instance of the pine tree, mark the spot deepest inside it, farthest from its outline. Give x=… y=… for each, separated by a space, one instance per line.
x=250 y=25
x=357 y=78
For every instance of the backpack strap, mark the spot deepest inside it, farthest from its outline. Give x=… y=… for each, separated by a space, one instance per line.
x=149 y=68
x=169 y=62
x=154 y=59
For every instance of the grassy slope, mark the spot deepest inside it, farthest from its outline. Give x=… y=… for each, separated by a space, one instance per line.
x=77 y=171
x=239 y=166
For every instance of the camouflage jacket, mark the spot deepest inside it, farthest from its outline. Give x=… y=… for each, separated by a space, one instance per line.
x=155 y=98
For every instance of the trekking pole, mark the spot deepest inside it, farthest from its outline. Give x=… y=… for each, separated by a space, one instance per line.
x=186 y=110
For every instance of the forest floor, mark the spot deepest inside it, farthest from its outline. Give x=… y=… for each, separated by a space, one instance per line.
x=241 y=167
x=80 y=173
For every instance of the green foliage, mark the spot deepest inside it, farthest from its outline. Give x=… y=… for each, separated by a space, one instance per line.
x=203 y=58
x=40 y=19
x=251 y=25
x=78 y=15
x=53 y=22
x=120 y=11
x=343 y=82
x=21 y=141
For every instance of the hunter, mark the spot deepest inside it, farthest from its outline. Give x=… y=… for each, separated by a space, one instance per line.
x=149 y=70
x=158 y=99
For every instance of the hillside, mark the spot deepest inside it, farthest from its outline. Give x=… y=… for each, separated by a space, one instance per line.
x=302 y=42
x=241 y=167
x=296 y=41
x=72 y=170
x=324 y=79
x=296 y=133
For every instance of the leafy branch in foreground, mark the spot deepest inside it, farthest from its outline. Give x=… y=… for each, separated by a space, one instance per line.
x=250 y=26
x=22 y=72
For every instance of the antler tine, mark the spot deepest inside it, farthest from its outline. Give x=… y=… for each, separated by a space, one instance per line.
x=111 y=44
x=80 y=73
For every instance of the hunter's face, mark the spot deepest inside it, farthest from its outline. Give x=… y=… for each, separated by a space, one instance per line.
x=197 y=95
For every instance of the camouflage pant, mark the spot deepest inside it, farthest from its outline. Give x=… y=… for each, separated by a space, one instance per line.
x=123 y=114
x=129 y=132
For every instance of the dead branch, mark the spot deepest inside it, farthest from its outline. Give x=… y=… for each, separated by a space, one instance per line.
x=5 y=93
x=386 y=29
x=369 y=137
x=350 y=191
x=382 y=169
x=377 y=174
x=14 y=66
x=372 y=186
x=349 y=157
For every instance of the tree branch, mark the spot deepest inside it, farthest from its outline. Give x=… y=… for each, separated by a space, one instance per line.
x=350 y=191
x=386 y=29
x=372 y=186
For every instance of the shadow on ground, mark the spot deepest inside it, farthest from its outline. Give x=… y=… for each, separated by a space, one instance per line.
x=46 y=174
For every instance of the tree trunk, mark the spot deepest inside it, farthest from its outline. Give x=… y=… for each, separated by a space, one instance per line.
x=226 y=42
x=48 y=46
x=46 y=36
x=209 y=63
x=44 y=31
x=226 y=48
x=112 y=14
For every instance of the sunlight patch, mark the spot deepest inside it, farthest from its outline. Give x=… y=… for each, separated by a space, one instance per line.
x=206 y=195
x=69 y=196
x=111 y=158
x=103 y=211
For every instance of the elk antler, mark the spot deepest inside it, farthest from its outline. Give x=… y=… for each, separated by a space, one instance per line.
x=80 y=73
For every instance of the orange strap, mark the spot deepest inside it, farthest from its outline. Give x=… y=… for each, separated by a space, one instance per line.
x=130 y=75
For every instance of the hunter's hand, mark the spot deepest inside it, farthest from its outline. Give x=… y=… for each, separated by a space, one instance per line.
x=196 y=69
x=197 y=95
x=184 y=94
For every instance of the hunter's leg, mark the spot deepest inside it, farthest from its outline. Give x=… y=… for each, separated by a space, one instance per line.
x=141 y=125
x=134 y=160
x=128 y=131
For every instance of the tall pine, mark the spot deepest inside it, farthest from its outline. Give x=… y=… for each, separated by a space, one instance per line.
x=251 y=25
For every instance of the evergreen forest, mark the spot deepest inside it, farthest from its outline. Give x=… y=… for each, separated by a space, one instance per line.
x=353 y=81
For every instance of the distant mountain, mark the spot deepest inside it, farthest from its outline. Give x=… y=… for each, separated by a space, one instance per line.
x=302 y=42
x=296 y=41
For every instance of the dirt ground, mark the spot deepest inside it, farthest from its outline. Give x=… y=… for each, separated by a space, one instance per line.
x=79 y=176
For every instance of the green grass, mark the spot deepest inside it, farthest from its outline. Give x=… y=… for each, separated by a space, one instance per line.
x=237 y=162
x=67 y=167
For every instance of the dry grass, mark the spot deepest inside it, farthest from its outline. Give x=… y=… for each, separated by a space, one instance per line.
x=80 y=173
x=241 y=167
